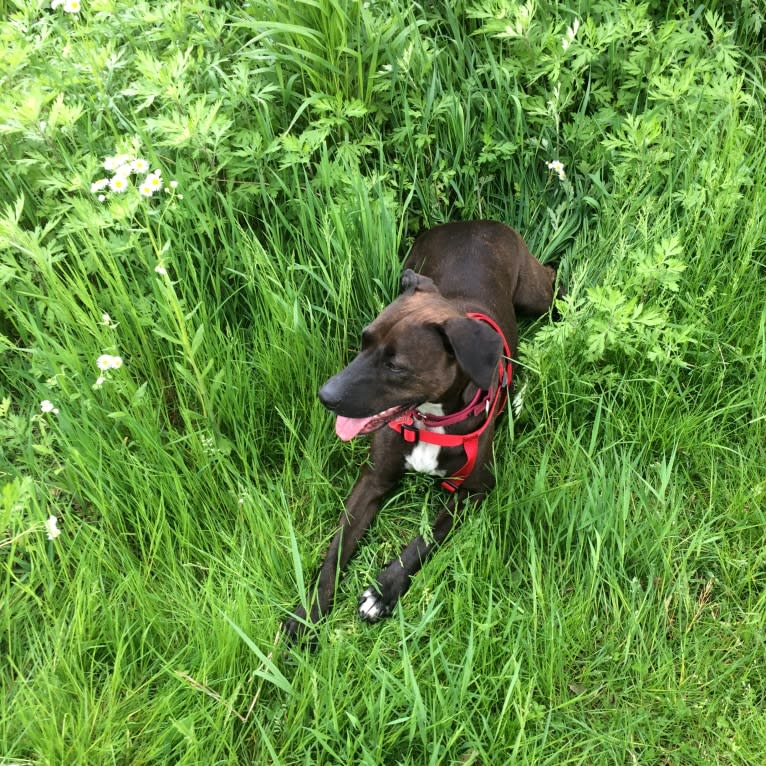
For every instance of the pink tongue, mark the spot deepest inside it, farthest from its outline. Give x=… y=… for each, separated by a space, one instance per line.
x=348 y=428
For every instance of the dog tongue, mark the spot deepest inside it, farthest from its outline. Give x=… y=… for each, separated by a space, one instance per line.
x=348 y=428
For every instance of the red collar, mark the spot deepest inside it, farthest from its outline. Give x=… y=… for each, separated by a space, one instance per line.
x=490 y=403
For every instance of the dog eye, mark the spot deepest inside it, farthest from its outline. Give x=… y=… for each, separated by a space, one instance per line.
x=391 y=366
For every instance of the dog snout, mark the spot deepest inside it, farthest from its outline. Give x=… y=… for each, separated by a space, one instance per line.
x=330 y=395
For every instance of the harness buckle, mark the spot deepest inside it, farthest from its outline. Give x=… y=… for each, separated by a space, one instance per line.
x=410 y=434
x=450 y=485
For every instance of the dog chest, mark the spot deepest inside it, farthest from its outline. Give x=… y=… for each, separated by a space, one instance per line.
x=424 y=458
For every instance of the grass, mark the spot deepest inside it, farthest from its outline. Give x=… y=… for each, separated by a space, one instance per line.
x=605 y=605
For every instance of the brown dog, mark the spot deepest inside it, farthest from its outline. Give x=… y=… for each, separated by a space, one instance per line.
x=432 y=373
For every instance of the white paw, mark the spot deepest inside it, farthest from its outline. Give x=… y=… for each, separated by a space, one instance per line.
x=372 y=607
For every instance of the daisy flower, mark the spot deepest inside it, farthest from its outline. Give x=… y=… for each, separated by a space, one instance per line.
x=118 y=183
x=139 y=165
x=146 y=189
x=56 y=3
x=46 y=405
x=557 y=167
x=112 y=163
x=99 y=185
x=51 y=527
x=154 y=181
x=72 y=6
x=108 y=362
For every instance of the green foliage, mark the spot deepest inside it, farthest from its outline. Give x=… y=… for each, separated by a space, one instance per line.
x=606 y=604
x=621 y=328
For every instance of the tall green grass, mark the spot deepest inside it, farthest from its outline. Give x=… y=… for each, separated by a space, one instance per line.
x=605 y=604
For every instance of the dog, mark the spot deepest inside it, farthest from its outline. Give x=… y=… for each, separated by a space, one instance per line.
x=432 y=374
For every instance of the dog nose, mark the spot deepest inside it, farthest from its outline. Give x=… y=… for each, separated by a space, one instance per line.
x=329 y=395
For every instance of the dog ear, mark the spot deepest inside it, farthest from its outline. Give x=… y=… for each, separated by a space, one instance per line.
x=477 y=348
x=410 y=282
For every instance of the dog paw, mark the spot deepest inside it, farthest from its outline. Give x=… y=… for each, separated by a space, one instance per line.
x=295 y=625
x=293 y=628
x=297 y=630
x=379 y=600
x=373 y=606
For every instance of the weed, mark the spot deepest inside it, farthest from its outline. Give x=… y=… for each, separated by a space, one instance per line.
x=201 y=205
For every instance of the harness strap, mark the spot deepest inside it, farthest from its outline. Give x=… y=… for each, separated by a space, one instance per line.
x=492 y=402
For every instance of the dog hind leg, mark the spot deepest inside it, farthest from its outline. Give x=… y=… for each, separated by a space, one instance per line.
x=534 y=290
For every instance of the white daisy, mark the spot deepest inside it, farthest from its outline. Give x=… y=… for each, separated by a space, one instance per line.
x=51 y=527
x=557 y=167
x=112 y=163
x=97 y=186
x=154 y=181
x=108 y=362
x=118 y=183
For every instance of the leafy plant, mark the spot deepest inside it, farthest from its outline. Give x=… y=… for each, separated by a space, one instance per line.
x=166 y=320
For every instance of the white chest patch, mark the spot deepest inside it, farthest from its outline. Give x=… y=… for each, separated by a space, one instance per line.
x=424 y=458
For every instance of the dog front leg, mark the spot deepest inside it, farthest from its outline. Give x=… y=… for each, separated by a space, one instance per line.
x=360 y=509
x=378 y=600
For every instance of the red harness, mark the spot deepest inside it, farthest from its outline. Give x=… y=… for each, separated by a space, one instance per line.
x=490 y=403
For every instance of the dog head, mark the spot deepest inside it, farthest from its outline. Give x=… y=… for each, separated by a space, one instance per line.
x=419 y=349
